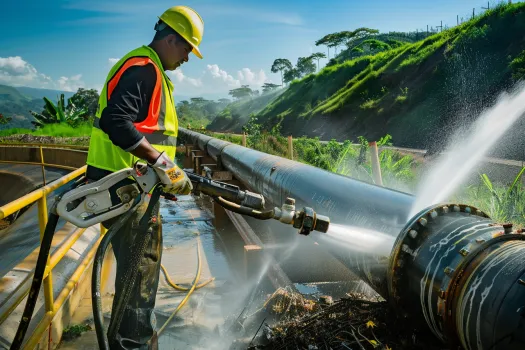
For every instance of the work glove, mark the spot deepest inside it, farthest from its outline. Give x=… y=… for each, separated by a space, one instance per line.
x=174 y=178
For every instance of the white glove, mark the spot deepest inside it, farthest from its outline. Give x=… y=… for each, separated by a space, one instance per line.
x=174 y=178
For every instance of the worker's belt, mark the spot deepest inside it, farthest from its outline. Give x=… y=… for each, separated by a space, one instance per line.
x=155 y=138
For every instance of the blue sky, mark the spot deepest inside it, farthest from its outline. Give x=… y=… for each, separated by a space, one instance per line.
x=66 y=44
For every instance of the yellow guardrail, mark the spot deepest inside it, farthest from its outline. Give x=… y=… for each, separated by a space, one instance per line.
x=41 y=148
x=45 y=145
x=40 y=196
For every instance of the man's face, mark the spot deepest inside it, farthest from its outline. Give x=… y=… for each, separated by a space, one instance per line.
x=179 y=51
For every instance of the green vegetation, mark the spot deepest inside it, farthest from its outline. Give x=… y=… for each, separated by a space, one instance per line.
x=236 y=114
x=198 y=112
x=55 y=130
x=502 y=202
x=359 y=93
x=242 y=92
x=15 y=105
x=75 y=331
x=4 y=120
x=59 y=113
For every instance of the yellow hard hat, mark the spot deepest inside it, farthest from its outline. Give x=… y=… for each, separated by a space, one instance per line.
x=188 y=23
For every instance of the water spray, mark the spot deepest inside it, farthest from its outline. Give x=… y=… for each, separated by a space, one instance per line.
x=448 y=267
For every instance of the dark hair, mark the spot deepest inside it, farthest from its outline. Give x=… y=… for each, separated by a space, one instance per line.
x=163 y=30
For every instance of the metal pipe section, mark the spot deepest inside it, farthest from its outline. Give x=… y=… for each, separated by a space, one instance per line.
x=356 y=205
x=450 y=266
x=350 y=202
x=455 y=270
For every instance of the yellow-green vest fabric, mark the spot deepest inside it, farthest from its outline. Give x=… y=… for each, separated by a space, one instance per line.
x=160 y=127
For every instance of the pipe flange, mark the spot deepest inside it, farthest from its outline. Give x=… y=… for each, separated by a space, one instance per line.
x=408 y=241
x=462 y=272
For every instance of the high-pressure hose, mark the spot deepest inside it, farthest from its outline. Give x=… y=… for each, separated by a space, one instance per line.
x=41 y=262
x=96 y=277
x=40 y=268
x=130 y=275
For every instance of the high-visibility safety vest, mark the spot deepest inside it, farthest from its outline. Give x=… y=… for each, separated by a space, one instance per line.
x=160 y=127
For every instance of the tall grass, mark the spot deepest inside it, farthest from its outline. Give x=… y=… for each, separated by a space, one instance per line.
x=55 y=130
x=502 y=202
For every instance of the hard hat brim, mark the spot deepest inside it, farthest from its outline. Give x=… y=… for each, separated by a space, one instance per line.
x=196 y=51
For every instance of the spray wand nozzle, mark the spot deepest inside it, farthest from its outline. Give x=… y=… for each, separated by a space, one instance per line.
x=252 y=204
x=306 y=219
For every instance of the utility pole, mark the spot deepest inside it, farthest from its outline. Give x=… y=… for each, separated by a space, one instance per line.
x=488 y=6
x=440 y=27
x=473 y=13
x=457 y=19
x=427 y=29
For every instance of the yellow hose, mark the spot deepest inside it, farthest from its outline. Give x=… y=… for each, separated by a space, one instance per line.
x=193 y=287
x=176 y=286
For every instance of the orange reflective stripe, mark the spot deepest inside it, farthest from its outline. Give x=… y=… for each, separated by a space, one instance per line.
x=150 y=124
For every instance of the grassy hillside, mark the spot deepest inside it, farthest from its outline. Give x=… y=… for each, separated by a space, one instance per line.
x=197 y=112
x=16 y=102
x=419 y=92
x=237 y=113
x=34 y=93
x=16 y=105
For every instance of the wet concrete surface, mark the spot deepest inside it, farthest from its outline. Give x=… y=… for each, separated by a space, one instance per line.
x=210 y=310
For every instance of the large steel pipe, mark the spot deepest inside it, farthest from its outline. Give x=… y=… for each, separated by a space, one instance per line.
x=455 y=270
x=450 y=266
x=358 y=206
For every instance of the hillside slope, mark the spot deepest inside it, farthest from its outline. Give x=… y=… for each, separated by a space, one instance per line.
x=35 y=93
x=16 y=102
x=16 y=105
x=419 y=93
x=237 y=113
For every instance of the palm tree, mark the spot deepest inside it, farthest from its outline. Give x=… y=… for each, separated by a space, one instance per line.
x=281 y=64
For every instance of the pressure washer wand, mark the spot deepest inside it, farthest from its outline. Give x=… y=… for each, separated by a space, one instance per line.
x=251 y=204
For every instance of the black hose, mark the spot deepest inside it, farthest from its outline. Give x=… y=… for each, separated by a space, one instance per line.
x=40 y=268
x=239 y=209
x=130 y=274
x=96 y=277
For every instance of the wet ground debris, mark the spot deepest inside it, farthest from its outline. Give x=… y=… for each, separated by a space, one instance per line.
x=353 y=323
x=75 y=331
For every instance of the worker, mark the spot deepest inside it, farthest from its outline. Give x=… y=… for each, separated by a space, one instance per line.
x=136 y=120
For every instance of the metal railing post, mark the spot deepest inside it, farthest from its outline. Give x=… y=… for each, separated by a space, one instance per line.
x=376 y=165
x=48 y=281
x=290 y=147
x=43 y=165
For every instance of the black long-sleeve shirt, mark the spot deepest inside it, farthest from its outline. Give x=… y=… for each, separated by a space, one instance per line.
x=128 y=104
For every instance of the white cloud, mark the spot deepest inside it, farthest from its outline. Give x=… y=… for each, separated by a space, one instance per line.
x=247 y=77
x=216 y=81
x=179 y=77
x=17 y=72
x=112 y=61
x=70 y=84
x=220 y=74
